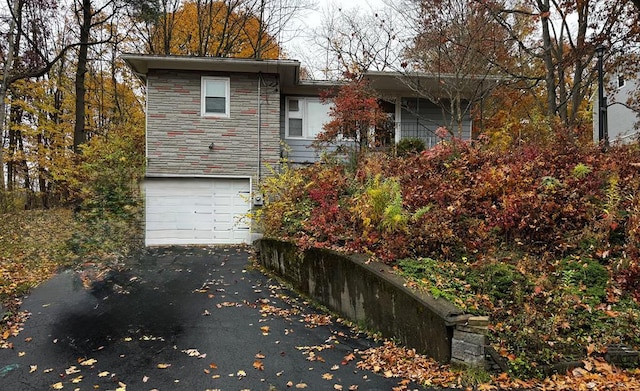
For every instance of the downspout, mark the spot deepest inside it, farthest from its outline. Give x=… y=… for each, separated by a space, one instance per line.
x=259 y=128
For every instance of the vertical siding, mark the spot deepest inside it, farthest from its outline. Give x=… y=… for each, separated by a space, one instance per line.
x=178 y=137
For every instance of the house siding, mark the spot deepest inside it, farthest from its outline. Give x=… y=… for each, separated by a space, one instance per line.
x=420 y=120
x=621 y=120
x=178 y=137
x=423 y=117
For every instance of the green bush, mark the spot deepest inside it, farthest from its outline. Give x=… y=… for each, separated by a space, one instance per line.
x=500 y=281
x=585 y=273
x=410 y=145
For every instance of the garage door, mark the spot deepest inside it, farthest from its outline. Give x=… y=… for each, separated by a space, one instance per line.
x=197 y=211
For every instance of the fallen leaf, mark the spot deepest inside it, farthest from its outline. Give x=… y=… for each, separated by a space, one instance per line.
x=88 y=362
x=71 y=370
x=258 y=365
x=103 y=374
x=337 y=387
x=335 y=367
x=213 y=366
x=33 y=368
x=145 y=379
x=353 y=387
x=347 y=358
x=265 y=330
x=587 y=365
x=327 y=376
x=301 y=385
x=77 y=379
x=194 y=353
x=57 y=386
x=260 y=356
x=21 y=354
x=164 y=366
x=289 y=383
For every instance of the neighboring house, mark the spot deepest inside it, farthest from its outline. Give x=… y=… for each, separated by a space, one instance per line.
x=622 y=120
x=216 y=125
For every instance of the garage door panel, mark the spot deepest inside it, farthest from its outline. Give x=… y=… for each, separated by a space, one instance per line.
x=197 y=211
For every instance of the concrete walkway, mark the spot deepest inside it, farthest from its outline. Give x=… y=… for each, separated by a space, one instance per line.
x=181 y=319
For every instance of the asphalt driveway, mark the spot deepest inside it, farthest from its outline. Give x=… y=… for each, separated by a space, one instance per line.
x=181 y=319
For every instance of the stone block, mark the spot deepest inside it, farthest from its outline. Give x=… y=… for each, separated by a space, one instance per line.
x=471 y=338
x=473 y=329
x=480 y=321
x=622 y=356
x=464 y=350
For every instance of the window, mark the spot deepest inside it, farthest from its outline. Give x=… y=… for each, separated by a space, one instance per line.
x=215 y=97
x=305 y=117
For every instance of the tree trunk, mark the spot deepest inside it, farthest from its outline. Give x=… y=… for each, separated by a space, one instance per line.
x=552 y=105
x=42 y=173
x=4 y=87
x=79 y=133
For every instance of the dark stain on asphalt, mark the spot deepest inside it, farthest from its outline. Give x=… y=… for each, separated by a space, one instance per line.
x=125 y=309
x=181 y=319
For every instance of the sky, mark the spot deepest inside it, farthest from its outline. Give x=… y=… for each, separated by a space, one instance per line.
x=299 y=46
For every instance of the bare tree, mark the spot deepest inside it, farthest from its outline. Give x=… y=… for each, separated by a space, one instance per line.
x=457 y=43
x=354 y=41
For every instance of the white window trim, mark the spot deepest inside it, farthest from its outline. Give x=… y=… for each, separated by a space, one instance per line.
x=304 y=115
x=203 y=102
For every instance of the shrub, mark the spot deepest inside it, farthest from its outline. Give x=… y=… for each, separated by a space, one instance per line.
x=410 y=145
x=552 y=229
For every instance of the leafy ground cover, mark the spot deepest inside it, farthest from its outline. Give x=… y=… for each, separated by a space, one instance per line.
x=32 y=248
x=35 y=244
x=543 y=237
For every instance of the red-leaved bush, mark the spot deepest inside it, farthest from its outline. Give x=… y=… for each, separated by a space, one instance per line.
x=460 y=198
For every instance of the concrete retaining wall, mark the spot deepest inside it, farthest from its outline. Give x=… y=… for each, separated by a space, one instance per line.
x=370 y=294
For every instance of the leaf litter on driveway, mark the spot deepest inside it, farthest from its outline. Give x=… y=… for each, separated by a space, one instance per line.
x=254 y=330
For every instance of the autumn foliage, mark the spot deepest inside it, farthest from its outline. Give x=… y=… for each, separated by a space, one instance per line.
x=213 y=28
x=544 y=236
x=354 y=113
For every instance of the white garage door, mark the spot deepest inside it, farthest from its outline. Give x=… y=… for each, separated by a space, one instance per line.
x=197 y=211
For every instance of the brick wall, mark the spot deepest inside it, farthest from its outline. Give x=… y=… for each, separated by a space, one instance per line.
x=178 y=137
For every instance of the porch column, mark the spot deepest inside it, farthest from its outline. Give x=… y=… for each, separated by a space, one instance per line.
x=398 y=120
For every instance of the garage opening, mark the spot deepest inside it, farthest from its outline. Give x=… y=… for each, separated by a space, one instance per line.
x=182 y=211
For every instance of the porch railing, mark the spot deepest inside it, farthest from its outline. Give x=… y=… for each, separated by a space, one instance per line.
x=424 y=132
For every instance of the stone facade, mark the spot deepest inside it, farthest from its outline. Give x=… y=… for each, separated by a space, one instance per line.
x=182 y=142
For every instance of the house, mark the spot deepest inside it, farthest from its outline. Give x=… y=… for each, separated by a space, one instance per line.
x=622 y=120
x=215 y=126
